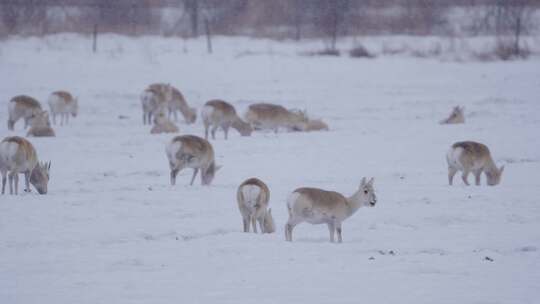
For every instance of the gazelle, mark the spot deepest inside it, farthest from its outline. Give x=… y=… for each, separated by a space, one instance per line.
x=179 y=103
x=253 y=196
x=271 y=116
x=456 y=117
x=155 y=99
x=316 y=125
x=64 y=104
x=18 y=155
x=221 y=114
x=470 y=156
x=41 y=126
x=22 y=106
x=189 y=151
x=317 y=206
x=162 y=124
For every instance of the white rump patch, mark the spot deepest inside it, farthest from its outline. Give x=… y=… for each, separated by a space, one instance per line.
x=251 y=193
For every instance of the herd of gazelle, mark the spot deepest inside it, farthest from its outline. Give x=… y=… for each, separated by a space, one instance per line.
x=161 y=101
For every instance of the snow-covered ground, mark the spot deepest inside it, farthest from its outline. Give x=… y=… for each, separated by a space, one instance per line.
x=112 y=229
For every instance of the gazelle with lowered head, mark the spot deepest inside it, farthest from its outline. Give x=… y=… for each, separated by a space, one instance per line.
x=189 y=151
x=162 y=124
x=273 y=117
x=64 y=104
x=221 y=114
x=22 y=106
x=155 y=99
x=470 y=156
x=456 y=117
x=253 y=197
x=18 y=155
x=179 y=103
x=317 y=206
x=41 y=126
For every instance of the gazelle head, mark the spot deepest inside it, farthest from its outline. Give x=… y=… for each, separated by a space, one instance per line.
x=367 y=192
x=191 y=115
x=208 y=174
x=243 y=127
x=269 y=224
x=494 y=175
x=39 y=177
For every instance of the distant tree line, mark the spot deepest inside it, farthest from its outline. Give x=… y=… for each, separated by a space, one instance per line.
x=293 y=19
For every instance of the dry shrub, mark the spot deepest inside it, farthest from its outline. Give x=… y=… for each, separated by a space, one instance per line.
x=325 y=52
x=360 y=51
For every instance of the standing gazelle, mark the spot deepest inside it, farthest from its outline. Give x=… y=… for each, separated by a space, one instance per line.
x=218 y=113
x=64 y=104
x=22 y=106
x=470 y=156
x=253 y=196
x=317 y=206
x=155 y=99
x=17 y=155
x=189 y=151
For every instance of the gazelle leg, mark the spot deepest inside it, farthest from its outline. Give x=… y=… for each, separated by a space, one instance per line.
x=261 y=224
x=27 y=181
x=206 y=131
x=16 y=182
x=451 y=172
x=195 y=171
x=254 y=224
x=338 y=229
x=174 y=172
x=289 y=229
x=246 y=224
x=331 y=229
x=477 y=174
x=464 y=177
x=11 y=183
x=213 y=131
x=4 y=180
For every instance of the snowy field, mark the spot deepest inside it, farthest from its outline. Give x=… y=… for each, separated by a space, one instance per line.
x=112 y=229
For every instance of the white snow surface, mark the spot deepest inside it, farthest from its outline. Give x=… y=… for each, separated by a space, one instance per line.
x=112 y=229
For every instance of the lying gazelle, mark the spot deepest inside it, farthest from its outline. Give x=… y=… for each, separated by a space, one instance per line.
x=253 y=196
x=317 y=206
x=162 y=124
x=41 y=126
x=17 y=155
x=456 y=117
x=316 y=125
x=189 y=151
x=469 y=156
x=154 y=99
x=221 y=114
x=273 y=117
x=179 y=103
x=22 y=106
x=64 y=104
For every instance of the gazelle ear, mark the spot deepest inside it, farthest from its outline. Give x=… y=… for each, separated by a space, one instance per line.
x=371 y=181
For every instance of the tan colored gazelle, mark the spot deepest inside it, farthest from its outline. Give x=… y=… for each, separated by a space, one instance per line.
x=22 y=106
x=41 y=126
x=155 y=99
x=271 y=116
x=317 y=206
x=221 y=114
x=456 y=117
x=162 y=124
x=316 y=125
x=18 y=155
x=179 y=103
x=190 y=151
x=64 y=104
x=470 y=156
x=253 y=197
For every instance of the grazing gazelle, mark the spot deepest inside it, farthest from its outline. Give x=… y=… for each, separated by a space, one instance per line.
x=456 y=117
x=253 y=196
x=469 y=156
x=162 y=124
x=218 y=113
x=22 y=106
x=155 y=99
x=63 y=104
x=179 y=103
x=189 y=151
x=17 y=155
x=271 y=116
x=317 y=206
x=41 y=126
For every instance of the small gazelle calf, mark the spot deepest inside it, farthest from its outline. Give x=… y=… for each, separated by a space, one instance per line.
x=221 y=114
x=253 y=196
x=64 y=104
x=469 y=156
x=22 y=106
x=317 y=206
x=18 y=155
x=41 y=126
x=189 y=151
x=456 y=117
